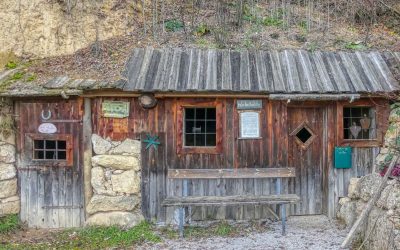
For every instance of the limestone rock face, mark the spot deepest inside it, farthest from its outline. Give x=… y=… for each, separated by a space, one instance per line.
x=116 y=162
x=7 y=153
x=368 y=185
x=347 y=211
x=393 y=198
x=7 y=171
x=99 y=183
x=51 y=28
x=128 y=182
x=122 y=219
x=127 y=147
x=100 y=145
x=10 y=205
x=8 y=188
x=103 y=203
x=354 y=188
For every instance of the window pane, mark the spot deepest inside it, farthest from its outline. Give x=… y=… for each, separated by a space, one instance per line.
x=200 y=140
x=62 y=144
x=39 y=155
x=356 y=112
x=200 y=114
x=62 y=155
x=211 y=140
x=346 y=122
x=346 y=112
x=210 y=127
x=38 y=144
x=50 y=144
x=189 y=113
x=211 y=114
x=50 y=155
x=189 y=126
x=189 y=140
x=200 y=127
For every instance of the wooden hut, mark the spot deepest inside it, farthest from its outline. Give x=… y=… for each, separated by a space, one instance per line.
x=207 y=109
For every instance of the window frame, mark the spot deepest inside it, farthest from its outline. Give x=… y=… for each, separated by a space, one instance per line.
x=180 y=132
x=29 y=149
x=381 y=107
x=185 y=120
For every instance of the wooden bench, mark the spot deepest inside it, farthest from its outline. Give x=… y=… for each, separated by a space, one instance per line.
x=243 y=173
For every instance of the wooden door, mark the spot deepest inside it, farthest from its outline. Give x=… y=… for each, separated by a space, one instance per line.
x=306 y=151
x=50 y=164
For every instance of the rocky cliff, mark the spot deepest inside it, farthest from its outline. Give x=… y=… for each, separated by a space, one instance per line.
x=45 y=28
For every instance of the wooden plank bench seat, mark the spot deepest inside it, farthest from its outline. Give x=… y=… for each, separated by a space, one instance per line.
x=240 y=173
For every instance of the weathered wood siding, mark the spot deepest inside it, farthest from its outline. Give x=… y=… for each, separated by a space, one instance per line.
x=272 y=150
x=51 y=196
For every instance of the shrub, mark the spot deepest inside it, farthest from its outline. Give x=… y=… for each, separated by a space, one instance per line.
x=173 y=25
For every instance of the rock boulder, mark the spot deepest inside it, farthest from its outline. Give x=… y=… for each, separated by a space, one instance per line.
x=8 y=188
x=7 y=171
x=116 y=162
x=103 y=203
x=128 y=182
x=122 y=219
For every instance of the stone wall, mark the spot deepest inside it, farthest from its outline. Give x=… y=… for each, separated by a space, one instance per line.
x=115 y=179
x=382 y=229
x=9 y=200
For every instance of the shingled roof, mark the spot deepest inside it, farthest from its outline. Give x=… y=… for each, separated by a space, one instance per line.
x=287 y=71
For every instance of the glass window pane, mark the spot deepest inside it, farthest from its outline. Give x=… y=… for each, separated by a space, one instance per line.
x=50 y=155
x=39 y=155
x=346 y=112
x=211 y=140
x=62 y=144
x=356 y=112
x=62 y=155
x=210 y=128
x=200 y=114
x=211 y=113
x=189 y=113
x=200 y=127
x=189 y=126
x=38 y=144
x=200 y=140
x=50 y=144
x=346 y=123
x=189 y=140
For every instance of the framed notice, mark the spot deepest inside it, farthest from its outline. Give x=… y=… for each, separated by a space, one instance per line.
x=249 y=124
x=115 y=109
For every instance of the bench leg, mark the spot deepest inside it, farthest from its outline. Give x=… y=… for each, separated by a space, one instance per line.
x=283 y=215
x=181 y=219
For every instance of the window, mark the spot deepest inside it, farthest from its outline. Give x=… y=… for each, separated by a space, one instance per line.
x=50 y=150
x=303 y=135
x=359 y=123
x=200 y=127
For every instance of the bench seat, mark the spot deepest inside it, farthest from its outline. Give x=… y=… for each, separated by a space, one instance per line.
x=230 y=200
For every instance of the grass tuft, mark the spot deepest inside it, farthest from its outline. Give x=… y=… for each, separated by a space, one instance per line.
x=9 y=223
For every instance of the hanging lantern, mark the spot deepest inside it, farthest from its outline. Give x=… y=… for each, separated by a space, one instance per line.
x=355 y=130
x=147 y=101
x=365 y=122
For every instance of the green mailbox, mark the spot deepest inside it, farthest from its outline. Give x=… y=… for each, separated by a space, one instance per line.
x=342 y=157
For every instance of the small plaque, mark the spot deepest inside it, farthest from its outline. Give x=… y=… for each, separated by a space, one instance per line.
x=249 y=104
x=249 y=125
x=343 y=158
x=47 y=128
x=115 y=109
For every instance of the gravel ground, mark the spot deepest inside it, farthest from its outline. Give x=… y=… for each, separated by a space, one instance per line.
x=303 y=232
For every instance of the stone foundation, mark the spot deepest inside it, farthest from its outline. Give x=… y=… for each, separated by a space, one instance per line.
x=9 y=200
x=115 y=180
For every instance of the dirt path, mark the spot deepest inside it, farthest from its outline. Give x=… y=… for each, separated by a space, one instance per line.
x=303 y=232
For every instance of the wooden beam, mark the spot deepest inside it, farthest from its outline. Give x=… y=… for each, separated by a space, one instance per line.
x=318 y=97
x=230 y=200
x=87 y=150
x=237 y=173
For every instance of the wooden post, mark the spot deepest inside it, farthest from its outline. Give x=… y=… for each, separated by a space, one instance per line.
x=182 y=209
x=363 y=216
x=282 y=207
x=87 y=150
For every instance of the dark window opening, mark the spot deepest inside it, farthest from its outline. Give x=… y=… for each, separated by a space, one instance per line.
x=304 y=135
x=200 y=127
x=359 y=123
x=49 y=150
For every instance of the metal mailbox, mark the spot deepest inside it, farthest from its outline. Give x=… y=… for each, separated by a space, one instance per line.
x=343 y=157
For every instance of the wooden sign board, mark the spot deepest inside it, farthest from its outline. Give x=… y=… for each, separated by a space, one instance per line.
x=249 y=104
x=115 y=109
x=249 y=125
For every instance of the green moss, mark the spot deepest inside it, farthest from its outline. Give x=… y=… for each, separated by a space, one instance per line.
x=11 y=65
x=17 y=76
x=9 y=224
x=355 y=46
x=31 y=78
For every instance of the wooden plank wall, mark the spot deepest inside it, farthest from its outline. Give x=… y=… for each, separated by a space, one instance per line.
x=269 y=151
x=51 y=196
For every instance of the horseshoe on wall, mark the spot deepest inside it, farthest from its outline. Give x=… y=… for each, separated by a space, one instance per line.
x=48 y=116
